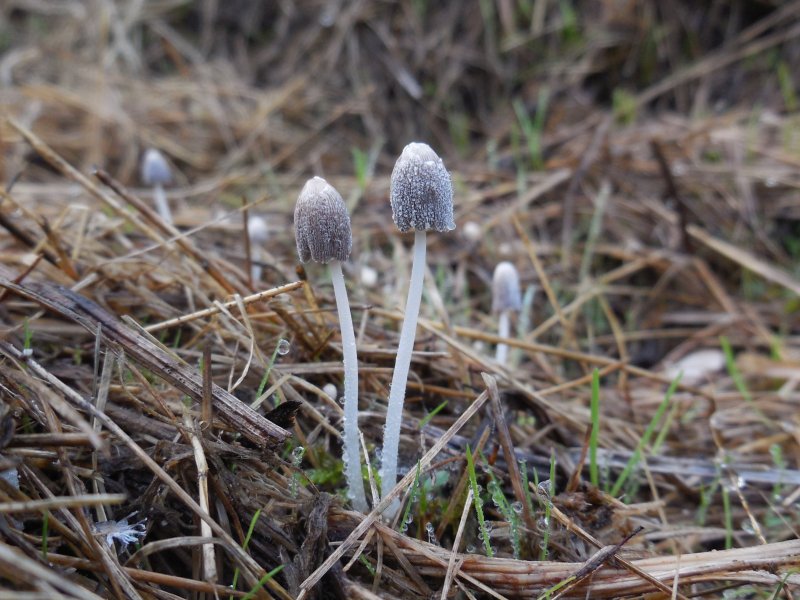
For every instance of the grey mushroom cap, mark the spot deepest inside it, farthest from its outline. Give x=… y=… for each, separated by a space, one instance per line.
x=421 y=192
x=505 y=288
x=322 y=225
x=155 y=169
x=257 y=229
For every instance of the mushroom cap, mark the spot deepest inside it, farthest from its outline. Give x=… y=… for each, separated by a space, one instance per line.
x=155 y=169
x=322 y=225
x=505 y=288
x=257 y=229
x=421 y=192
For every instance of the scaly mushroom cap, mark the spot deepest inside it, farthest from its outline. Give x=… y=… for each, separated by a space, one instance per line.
x=505 y=288
x=322 y=225
x=155 y=169
x=421 y=192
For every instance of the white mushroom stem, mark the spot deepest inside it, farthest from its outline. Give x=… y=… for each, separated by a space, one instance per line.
x=162 y=206
x=352 y=454
x=256 y=257
x=503 y=330
x=397 y=393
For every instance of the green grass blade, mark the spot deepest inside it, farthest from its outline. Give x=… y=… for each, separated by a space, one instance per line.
x=247 y=537
x=548 y=507
x=478 y=503
x=426 y=419
x=594 y=476
x=738 y=379
x=252 y=593
x=728 y=516
x=633 y=461
x=403 y=525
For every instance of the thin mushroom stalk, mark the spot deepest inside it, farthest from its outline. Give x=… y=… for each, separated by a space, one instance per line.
x=503 y=331
x=421 y=195
x=258 y=233
x=352 y=446
x=160 y=200
x=323 y=235
x=506 y=298
x=405 y=347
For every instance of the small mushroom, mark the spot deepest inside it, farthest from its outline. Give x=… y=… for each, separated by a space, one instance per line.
x=258 y=233
x=156 y=173
x=506 y=298
x=323 y=235
x=421 y=195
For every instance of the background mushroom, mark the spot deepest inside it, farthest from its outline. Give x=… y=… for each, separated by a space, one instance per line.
x=258 y=233
x=506 y=298
x=156 y=173
x=323 y=235
x=421 y=195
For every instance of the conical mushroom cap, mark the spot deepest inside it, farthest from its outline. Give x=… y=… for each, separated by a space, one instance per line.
x=322 y=225
x=421 y=192
x=505 y=288
x=155 y=169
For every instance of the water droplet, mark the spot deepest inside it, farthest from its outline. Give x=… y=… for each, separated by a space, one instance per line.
x=470 y=549
x=544 y=487
x=429 y=527
x=771 y=182
x=517 y=507
x=409 y=518
x=740 y=482
x=489 y=526
x=297 y=455
x=747 y=527
x=283 y=347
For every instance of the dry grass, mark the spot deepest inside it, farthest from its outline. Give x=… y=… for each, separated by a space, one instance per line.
x=640 y=175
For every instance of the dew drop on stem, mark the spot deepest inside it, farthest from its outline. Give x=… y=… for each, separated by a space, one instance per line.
x=297 y=455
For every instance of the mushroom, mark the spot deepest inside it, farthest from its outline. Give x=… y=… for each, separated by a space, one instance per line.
x=156 y=173
x=323 y=235
x=258 y=234
x=506 y=298
x=421 y=195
